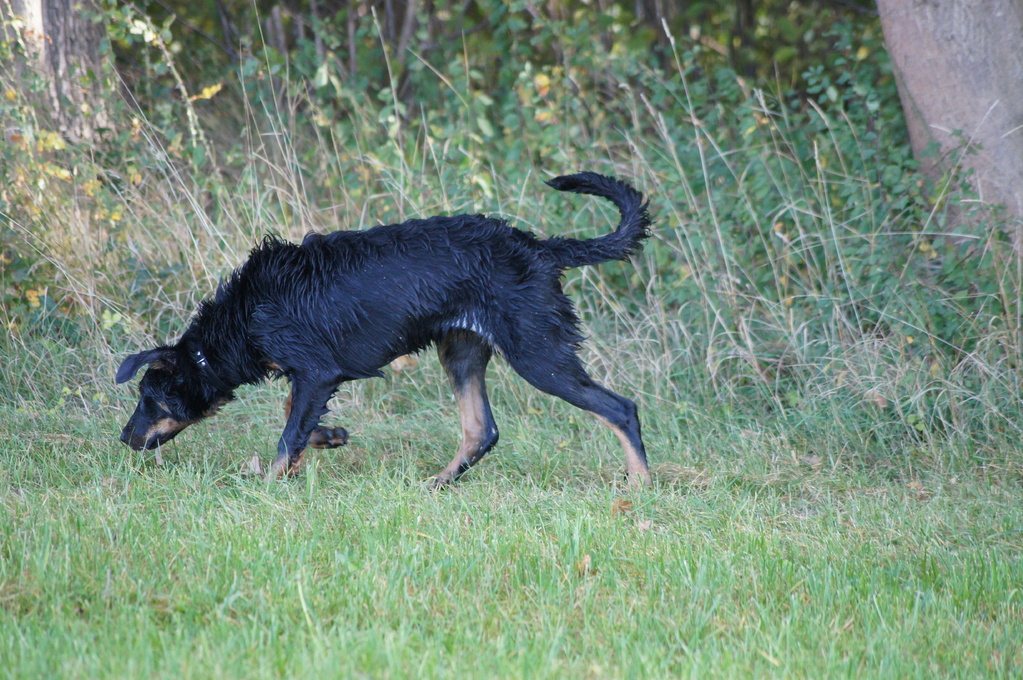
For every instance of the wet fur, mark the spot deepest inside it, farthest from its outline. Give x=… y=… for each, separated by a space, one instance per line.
x=341 y=305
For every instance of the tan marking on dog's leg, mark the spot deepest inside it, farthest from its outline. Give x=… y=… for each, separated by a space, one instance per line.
x=277 y=469
x=472 y=412
x=636 y=469
x=293 y=470
x=280 y=468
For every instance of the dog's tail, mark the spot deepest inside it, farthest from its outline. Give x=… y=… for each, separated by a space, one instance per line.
x=625 y=240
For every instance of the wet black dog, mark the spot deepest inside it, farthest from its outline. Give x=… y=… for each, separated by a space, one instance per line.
x=342 y=305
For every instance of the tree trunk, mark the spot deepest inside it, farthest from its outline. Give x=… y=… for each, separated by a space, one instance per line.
x=959 y=67
x=63 y=46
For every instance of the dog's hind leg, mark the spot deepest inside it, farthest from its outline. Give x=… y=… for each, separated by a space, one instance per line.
x=321 y=437
x=309 y=397
x=557 y=371
x=464 y=355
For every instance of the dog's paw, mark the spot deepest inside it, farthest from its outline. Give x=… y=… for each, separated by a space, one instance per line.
x=280 y=468
x=637 y=480
x=436 y=483
x=328 y=437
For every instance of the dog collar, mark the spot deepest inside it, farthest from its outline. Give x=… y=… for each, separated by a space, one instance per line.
x=204 y=366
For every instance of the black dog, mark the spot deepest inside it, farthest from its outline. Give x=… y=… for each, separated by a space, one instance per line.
x=342 y=305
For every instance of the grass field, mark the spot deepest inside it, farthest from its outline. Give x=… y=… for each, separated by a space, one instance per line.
x=828 y=371
x=747 y=558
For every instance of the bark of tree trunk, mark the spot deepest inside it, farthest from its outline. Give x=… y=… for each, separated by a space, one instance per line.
x=959 y=66
x=63 y=45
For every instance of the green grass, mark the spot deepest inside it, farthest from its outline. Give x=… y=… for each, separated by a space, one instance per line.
x=747 y=558
x=828 y=376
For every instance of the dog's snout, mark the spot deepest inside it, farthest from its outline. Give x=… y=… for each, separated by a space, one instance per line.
x=131 y=437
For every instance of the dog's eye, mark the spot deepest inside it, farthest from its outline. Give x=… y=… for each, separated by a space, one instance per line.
x=150 y=404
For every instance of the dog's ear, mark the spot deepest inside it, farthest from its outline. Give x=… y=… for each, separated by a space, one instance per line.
x=131 y=365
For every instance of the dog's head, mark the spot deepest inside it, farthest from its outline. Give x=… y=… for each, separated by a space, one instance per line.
x=174 y=392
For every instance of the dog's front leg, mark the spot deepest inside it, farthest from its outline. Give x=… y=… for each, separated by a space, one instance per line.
x=321 y=437
x=310 y=395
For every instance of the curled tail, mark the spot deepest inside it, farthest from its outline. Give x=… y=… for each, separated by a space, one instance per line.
x=625 y=240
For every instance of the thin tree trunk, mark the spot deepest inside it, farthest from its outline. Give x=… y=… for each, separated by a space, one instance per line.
x=63 y=45
x=408 y=26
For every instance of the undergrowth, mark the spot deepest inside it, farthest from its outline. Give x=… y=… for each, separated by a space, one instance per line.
x=802 y=280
